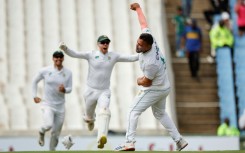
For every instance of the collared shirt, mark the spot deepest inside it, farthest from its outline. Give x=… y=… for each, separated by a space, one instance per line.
x=153 y=66
x=101 y=66
x=53 y=78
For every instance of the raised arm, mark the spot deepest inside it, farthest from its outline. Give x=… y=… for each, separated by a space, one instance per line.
x=73 y=53
x=142 y=20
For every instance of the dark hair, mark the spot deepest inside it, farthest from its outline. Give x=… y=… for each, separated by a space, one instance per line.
x=146 y=37
x=58 y=54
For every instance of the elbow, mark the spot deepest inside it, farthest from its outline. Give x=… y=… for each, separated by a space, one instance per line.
x=144 y=25
x=68 y=90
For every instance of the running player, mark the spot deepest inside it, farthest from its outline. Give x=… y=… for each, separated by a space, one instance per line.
x=97 y=93
x=155 y=87
x=57 y=82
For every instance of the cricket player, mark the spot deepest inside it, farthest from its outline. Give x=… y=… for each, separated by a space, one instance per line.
x=97 y=93
x=57 y=82
x=154 y=85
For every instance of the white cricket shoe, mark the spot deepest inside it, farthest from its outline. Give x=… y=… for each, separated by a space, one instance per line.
x=128 y=146
x=41 y=139
x=102 y=141
x=181 y=144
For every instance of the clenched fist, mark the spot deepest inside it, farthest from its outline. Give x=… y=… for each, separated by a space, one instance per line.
x=63 y=46
x=134 y=6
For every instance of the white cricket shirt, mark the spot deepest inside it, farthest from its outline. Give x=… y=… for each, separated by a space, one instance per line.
x=101 y=65
x=53 y=78
x=153 y=66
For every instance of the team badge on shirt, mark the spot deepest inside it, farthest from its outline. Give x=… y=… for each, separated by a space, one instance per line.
x=96 y=57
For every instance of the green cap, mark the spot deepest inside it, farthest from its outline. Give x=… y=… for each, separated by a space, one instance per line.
x=102 y=38
x=58 y=54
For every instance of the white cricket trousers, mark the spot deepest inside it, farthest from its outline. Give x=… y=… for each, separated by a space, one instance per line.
x=52 y=119
x=94 y=97
x=157 y=100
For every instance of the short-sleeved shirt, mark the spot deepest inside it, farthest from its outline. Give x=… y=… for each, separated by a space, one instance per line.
x=193 y=38
x=153 y=66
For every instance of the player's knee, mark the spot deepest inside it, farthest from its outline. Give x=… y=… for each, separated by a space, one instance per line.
x=48 y=127
x=134 y=114
x=104 y=111
x=159 y=115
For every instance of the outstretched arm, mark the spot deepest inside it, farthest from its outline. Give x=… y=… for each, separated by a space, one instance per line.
x=73 y=53
x=142 y=20
x=128 y=58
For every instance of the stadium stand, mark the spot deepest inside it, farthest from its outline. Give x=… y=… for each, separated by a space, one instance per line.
x=34 y=119
x=33 y=38
x=4 y=124
x=197 y=102
x=3 y=39
x=239 y=55
x=73 y=119
x=15 y=41
x=226 y=85
x=50 y=28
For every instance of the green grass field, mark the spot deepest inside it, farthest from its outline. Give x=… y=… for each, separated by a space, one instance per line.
x=109 y=151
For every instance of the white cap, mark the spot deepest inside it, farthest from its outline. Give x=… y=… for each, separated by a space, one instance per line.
x=225 y=16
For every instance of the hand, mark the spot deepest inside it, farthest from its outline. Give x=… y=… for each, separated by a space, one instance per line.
x=62 y=88
x=63 y=46
x=134 y=6
x=144 y=81
x=37 y=100
x=139 y=80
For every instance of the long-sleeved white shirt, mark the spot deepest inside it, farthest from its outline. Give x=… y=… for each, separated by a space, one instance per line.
x=101 y=65
x=53 y=78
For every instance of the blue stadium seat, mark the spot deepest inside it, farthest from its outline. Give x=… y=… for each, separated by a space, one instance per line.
x=226 y=85
x=239 y=41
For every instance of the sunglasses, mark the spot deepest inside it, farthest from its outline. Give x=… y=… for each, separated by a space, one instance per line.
x=105 y=42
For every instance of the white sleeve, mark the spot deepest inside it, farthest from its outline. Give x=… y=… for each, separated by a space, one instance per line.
x=151 y=71
x=68 y=87
x=128 y=58
x=77 y=54
x=146 y=30
x=35 y=81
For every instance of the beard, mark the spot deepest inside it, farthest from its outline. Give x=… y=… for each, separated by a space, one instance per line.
x=138 y=50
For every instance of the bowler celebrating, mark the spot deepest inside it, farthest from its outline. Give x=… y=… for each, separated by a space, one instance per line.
x=154 y=85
